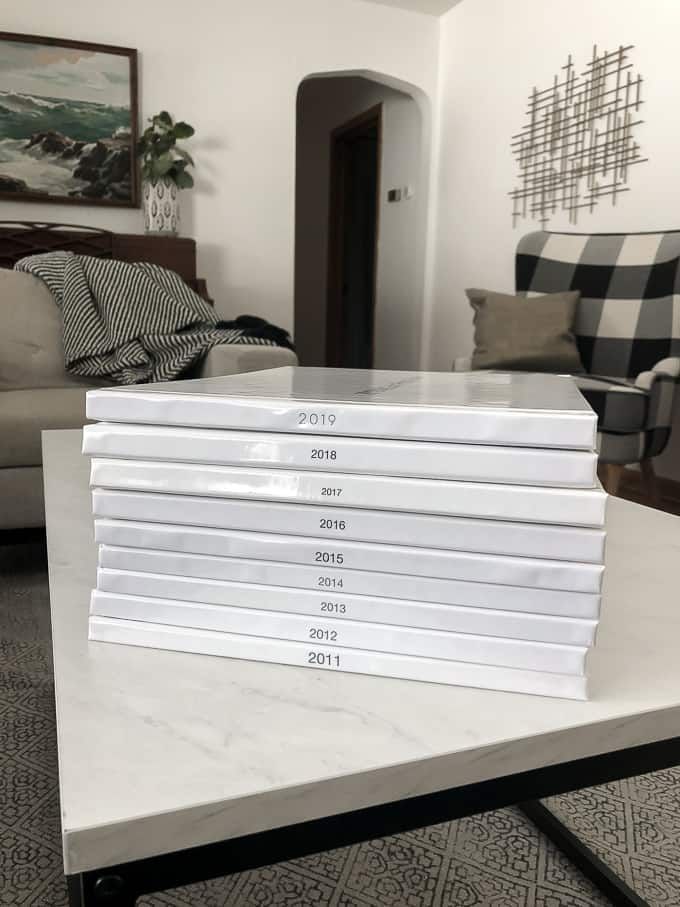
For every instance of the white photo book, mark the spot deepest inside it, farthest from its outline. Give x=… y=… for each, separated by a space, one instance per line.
x=329 y=658
x=319 y=453
x=510 y=408
x=570 y=631
x=193 y=577
x=527 y=503
x=540 y=573
x=570 y=543
x=492 y=650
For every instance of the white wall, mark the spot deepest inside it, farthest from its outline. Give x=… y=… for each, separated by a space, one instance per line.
x=232 y=69
x=324 y=104
x=402 y=238
x=492 y=54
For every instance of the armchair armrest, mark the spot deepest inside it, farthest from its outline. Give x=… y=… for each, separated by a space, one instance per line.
x=660 y=383
x=235 y=358
x=666 y=368
x=461 y=364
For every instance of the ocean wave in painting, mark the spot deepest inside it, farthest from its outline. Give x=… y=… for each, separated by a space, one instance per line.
x=22 y=115
x=25 y=103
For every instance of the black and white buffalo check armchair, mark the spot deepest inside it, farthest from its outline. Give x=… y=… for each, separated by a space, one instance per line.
x=627 y=330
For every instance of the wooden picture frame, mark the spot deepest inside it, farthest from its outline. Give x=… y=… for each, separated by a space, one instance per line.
x=68 y=122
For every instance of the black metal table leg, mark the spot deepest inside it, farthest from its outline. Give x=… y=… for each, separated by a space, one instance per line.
x=75 y=891
x=604 y=878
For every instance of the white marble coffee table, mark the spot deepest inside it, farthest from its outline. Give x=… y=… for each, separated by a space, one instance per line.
x=177 y=767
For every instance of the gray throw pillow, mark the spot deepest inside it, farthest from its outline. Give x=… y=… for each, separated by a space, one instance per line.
x=532 y=334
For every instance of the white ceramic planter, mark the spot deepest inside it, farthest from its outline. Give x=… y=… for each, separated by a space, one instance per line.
x=161 y=206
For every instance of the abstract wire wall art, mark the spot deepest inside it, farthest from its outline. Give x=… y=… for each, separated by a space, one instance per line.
x=577 y=145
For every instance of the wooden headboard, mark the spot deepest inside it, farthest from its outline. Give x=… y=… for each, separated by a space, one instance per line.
x=21 y=238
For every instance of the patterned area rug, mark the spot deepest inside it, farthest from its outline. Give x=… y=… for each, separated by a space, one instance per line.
x=497 y=859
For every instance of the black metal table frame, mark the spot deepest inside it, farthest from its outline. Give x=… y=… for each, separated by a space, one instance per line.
x=121 y=885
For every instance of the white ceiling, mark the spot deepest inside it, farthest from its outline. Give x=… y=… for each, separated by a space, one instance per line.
x=433 y=7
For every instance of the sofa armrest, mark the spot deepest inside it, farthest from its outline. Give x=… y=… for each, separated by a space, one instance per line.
x=235 y=358
x=462 y=364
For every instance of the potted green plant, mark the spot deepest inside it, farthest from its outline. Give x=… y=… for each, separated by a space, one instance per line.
x=165 y=170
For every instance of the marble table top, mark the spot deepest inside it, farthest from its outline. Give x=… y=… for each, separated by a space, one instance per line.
x=159 y=751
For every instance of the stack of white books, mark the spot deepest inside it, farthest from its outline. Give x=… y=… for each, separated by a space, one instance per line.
x=445 y=527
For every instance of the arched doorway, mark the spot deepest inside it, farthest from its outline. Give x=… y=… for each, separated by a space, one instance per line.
x=361 y=209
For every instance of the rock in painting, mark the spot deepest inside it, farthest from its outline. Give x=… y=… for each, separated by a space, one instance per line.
x=93 y=156
x=73 y=149
x=49 y=142
x=116 y=166
x=10 y=184
x=95 y=190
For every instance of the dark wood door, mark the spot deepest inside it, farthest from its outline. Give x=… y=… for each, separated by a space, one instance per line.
x=353 y=234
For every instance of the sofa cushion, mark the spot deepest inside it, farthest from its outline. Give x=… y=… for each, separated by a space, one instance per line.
x=31 y=350
x=515 y=332
x=25 y=413
x=620 y=406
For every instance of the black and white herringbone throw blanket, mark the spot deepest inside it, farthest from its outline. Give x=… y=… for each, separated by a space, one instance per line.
x=133 y=322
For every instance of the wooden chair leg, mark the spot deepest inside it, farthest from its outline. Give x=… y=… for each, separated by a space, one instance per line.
x=610 y=475
x=650 y=483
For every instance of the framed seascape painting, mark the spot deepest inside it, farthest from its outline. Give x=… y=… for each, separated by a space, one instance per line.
x=68 y=121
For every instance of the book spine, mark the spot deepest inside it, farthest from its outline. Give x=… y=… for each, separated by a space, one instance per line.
x=173 y=578
x=568 y=543
x=373 y=609
x=461 y=462
x=522 y=428
x=328 y=658
x=560 y=506
x=509 y=653
x=532 y=572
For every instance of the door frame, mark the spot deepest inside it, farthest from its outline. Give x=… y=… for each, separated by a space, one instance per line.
x=336 y=212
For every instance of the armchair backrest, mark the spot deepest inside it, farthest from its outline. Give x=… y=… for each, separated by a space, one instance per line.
x=628 y=317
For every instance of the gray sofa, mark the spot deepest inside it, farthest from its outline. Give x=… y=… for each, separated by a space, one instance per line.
x=36 y=393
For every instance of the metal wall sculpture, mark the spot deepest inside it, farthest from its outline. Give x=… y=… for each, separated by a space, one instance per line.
x=577 y=145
